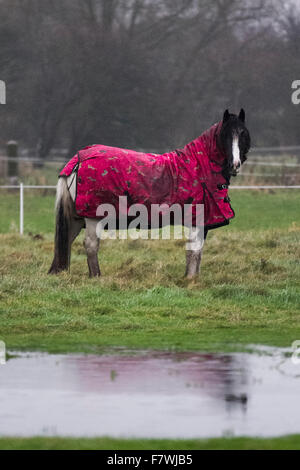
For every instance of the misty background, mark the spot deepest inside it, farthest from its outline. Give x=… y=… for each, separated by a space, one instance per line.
x=146 y=74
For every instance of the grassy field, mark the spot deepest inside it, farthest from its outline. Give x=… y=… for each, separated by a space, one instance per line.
x=248 y=291
x=235 y=443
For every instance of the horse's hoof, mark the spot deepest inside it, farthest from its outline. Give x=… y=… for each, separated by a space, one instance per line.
x=52 y=271
x=190 y=277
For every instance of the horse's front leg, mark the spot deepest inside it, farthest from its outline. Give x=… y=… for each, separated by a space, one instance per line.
x=194 y=248
x=91 y=244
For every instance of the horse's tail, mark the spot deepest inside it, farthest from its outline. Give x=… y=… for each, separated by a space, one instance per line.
x=64 y=211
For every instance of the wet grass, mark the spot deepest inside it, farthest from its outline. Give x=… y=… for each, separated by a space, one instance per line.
x=227 y=443
x=248 y=291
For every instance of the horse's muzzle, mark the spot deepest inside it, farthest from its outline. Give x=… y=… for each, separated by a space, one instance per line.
x=234 y=168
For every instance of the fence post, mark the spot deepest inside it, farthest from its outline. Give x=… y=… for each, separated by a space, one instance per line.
x=21 y=209
x=12 y=154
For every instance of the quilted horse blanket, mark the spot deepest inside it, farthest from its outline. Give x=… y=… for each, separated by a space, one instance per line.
x=192 y=175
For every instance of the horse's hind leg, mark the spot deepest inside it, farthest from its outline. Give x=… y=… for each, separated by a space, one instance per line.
x=194 y=252
x=76 y=227
x=91 y=244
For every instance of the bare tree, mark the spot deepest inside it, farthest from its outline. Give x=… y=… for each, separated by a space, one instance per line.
x=145 y=73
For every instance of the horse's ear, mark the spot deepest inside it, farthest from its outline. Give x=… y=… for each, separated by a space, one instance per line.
x=226 y=116
x=242 y=115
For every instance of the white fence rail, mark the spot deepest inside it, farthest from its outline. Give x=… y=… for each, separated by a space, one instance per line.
x=22 y=186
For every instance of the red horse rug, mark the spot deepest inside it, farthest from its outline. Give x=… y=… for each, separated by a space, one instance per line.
x=193 y=175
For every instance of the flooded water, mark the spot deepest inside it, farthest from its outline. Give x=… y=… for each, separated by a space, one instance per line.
x=175 y=395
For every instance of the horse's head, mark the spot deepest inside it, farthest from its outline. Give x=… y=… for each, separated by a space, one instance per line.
x=234 y=140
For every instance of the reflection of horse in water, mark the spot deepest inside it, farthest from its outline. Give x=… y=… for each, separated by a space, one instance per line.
x=221 y=377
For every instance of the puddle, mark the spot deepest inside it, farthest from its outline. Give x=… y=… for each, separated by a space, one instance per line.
x=174 y=395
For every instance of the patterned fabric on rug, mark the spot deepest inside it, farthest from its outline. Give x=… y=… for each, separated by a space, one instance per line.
x=192 y=175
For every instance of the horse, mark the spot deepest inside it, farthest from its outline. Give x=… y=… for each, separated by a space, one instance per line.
x=199 y=173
